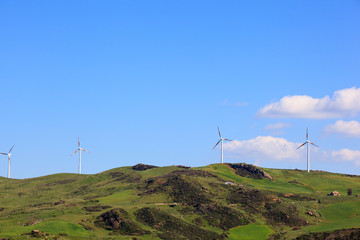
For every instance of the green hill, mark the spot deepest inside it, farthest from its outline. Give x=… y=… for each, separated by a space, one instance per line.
x=219 y=201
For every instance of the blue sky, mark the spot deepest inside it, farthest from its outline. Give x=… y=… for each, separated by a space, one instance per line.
x=150 y=81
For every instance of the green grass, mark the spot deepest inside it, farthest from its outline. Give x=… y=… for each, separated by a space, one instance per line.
x=250 y=232
x=52 y=227
x=27 y=204
x=58 y=226
x=338 y=216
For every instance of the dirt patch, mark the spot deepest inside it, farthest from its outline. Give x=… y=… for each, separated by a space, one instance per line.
x=344 y=234
x=247 y=170
x=221 y=216
x=119 y=222
x=171 y=227
x=96 y=208
x=143 y=167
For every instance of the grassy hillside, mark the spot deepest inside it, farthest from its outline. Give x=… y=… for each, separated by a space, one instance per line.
x=179 y=203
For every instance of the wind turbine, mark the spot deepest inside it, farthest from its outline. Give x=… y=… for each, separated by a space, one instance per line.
x=79 y=149
x=221 y=140
x=8 y=154
x=307 y=149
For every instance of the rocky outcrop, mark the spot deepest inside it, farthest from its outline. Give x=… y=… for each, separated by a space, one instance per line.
x=334 y=193
x=142 y=167
x=119 y=221
x=248 y=170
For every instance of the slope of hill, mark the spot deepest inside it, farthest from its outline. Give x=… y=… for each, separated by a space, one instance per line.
x=219 y=201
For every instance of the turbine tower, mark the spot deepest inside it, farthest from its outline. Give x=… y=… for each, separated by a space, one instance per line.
x=307 y=149
x=221 y=140
x=8 y=154
x=79 y=149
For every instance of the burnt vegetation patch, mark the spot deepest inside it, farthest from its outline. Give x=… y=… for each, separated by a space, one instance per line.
x=118 y=221
x=248 y=170
x=171 y=227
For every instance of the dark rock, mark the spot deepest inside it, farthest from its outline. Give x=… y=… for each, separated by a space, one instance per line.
x=248 y=170
x=142 y=167
x=334 y=193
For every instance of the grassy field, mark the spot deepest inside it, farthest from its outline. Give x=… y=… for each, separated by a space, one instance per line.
x=68 y=206
x=250 y=232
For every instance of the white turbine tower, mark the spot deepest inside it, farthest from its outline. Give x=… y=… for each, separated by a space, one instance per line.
x=8 y=154
x=221 y=140
x=307 y=149
x=79 y=149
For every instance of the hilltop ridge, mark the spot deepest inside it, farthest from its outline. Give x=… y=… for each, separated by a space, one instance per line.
x=218 y=201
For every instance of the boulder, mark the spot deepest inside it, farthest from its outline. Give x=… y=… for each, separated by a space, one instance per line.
x=334 y=193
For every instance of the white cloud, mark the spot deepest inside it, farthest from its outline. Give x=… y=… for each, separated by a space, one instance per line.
x=344 y=102
x=270 y=149
x=345 y=128
x=263 y=148
x=346 y=155
x=277 y=126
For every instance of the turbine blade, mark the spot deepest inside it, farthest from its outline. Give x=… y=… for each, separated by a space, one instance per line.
x=74 y=153
x=227 y=139
x=11 y=148
x=219 y=131
x=79 y=141
x=216 y=144
x=314 y=144
x=301 y=145
x=4 y=153
x=85 y=150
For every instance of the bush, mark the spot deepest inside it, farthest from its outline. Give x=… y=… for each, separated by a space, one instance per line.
x=349 y=191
